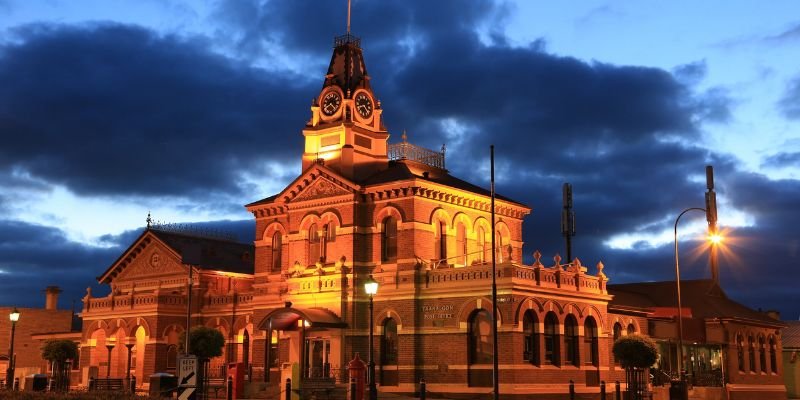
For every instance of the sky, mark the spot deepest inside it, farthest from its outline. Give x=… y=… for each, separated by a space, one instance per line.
x=190 y=109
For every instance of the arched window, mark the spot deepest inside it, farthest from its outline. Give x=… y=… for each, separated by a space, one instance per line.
x=480 y=338
x=617 y=335
x=313 y=244
x=740 y=351
x=277 y=247
x=482 y=244
x=498 y=245
x=551 y=345
x=389 y=343
x=530 y=327
x=246 y=348
x=389 y=240
x=441 y=241
x=762 y=353
x=752 y=344
x=631 y=329
x=571 y=340
x=773 y=360
x=172 y=357
x=461 y=243
x=590 y=344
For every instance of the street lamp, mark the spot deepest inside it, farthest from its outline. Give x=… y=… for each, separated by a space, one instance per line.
x=371 y=287
x=14 y=317
x=715 y=239
x=110 y=346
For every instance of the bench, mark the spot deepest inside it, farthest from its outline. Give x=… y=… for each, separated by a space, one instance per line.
x=107 y=384
x=314 y=387
x=215 y=384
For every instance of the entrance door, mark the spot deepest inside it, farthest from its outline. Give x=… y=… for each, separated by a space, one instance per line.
x=318 y=351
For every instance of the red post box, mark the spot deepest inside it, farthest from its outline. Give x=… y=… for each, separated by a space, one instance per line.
x=358 y=371
x=236 y=372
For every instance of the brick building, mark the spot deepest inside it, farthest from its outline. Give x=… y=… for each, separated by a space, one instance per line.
x=362 y=207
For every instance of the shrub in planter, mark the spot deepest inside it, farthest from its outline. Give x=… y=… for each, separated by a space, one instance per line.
x=635 y=351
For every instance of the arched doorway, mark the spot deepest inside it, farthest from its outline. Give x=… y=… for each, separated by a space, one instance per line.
x=480 y=350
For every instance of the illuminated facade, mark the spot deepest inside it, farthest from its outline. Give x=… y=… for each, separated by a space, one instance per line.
x=365 y=207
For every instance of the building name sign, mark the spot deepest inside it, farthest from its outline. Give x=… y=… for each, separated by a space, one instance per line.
x=434 y=312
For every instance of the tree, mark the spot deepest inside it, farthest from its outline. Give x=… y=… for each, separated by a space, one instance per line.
x=204 y=342
x=636 y=353
x=58 y=352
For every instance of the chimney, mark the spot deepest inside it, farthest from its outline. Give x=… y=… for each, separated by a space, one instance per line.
x=51 y=297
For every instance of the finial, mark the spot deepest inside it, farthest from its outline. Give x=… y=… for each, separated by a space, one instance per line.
x=348 y=16
x=149 y=220
x=600 y=273
x=557 y=259
x=404 y=137
x=537 y=258
x=443 y=148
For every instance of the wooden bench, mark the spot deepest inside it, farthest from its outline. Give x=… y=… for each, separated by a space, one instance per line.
x=107 y=384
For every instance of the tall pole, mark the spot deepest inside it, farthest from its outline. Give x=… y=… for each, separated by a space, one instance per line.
x=373 y=390
x=11 y=358
x=495 y=364
x=711 y=217
x=348 y=17
x=189 y=310
x=678 y=285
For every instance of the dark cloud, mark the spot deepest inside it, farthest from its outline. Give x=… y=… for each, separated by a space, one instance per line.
x=789 y=104
x=782 y=160
x=691 y=73
x=111 y=109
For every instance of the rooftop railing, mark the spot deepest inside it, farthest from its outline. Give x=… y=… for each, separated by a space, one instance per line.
x=408 y=151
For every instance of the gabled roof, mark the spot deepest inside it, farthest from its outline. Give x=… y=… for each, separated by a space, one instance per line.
x=703 y=297
x=304 y=180
x=214 y=254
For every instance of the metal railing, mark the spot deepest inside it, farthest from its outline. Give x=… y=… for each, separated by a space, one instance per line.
x=408 y=151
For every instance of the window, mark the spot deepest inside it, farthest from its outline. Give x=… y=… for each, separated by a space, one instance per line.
x=482 y=244
x=740 y=351
x=327 y=235
x=389 y=343
x=498 y=245
x=480 y=338
x=313 y=244
x=752 y=344
x=461 y=244
x=277 y=247
x=389 y=240
x=551 y=339
x=441 y=245
x=773 y=361
x=246 y=349
x=631 y=329
x=762 y=353
x=590 y=344
x=530 y=328
x=617 y=335
x=571 y=340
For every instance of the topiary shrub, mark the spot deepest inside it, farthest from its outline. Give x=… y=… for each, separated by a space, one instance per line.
x=204 y=342
x=635 y=351
x=58 y=352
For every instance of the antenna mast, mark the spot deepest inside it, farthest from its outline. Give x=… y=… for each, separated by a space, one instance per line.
x=348 y=16
x=568 y=219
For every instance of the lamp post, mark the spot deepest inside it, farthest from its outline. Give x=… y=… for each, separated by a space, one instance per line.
x=715 y=239
x=371 y=287
x=110 y=342
x=14 y=317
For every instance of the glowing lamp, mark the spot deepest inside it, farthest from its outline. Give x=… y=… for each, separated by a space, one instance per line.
x=14 y=316
x=371 y=286
x=715 y=238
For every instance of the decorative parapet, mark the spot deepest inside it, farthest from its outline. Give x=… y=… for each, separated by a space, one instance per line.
x=133 y=302
x=408 y=151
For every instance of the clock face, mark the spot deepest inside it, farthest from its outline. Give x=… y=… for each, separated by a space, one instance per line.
x=363 y=105
x=331 y=103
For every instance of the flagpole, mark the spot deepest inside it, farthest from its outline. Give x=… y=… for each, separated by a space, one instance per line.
x=495 y=366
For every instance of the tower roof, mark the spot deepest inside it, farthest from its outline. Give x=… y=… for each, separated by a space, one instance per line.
x=347 y=69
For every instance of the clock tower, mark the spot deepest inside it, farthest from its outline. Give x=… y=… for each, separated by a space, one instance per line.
x=346 y=130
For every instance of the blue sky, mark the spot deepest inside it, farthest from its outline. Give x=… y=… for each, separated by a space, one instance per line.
x=190 y=109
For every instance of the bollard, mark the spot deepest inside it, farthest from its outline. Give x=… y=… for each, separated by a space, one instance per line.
x=571 y=390
x=422 y=389
x=16 y=384
x=616 y=388
x=229 y=388
x=288 y=389
x=353 y=389
x=602 y=390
